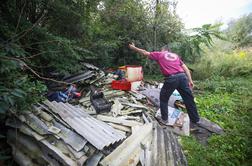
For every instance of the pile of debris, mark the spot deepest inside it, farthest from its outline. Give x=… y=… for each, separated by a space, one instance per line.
x=107 y=127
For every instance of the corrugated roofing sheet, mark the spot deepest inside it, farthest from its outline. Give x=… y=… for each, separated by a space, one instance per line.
x=166 y=149
x=98 y=133
x=80 y=77
x=128 y=153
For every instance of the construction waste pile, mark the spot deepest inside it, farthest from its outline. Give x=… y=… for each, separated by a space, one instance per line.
x=102 y=127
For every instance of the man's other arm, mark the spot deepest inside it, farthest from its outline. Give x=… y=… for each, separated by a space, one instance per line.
x=187 y=71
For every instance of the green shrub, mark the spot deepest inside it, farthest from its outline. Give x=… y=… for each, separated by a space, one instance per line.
x=227 y=64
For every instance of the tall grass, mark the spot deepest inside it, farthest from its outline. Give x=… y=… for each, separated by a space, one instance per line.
x=217 y=62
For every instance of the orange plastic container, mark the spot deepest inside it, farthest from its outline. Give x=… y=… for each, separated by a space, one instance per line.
x=121 y=85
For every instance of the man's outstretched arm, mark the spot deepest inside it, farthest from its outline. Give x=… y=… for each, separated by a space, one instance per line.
x=139 y=50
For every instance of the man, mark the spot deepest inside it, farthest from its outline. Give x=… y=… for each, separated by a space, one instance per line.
x=177 y=76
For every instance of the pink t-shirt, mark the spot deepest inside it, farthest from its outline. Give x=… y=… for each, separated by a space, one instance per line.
x=169 y=62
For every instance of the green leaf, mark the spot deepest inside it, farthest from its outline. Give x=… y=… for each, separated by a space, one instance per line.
x=11 y=101
x=5 y=98
x=3 y=89
x=17 y=94
x=20 y=91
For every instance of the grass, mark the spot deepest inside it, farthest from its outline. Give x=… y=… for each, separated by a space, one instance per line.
x=228 y=102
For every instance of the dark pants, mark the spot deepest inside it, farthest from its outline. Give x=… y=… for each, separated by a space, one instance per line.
x=179 y=82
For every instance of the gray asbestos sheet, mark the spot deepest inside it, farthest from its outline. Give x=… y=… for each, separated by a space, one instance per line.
x=94 y=160
x=96 y=132
x=166 y=149
x=35 y=123
x=70 y=137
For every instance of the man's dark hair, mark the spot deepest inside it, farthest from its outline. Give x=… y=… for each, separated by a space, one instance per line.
x=166 y=48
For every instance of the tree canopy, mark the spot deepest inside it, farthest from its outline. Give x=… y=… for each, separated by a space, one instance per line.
x=240 y=31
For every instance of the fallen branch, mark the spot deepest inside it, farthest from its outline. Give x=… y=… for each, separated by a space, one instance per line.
x=23 y=64
x=32 y=56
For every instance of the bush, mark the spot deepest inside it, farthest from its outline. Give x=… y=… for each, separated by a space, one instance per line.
x=227 y=64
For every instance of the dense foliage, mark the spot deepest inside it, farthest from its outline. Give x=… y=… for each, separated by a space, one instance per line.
x=217 y=62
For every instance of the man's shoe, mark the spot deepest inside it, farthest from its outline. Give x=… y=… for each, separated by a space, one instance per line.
x=162 y=122
x=207 y=124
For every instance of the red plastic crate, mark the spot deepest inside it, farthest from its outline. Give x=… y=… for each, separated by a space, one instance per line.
x=121 y=85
